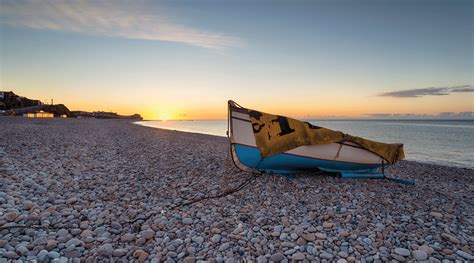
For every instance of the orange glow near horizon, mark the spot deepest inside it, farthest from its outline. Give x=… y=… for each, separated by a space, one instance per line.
x=153 y=106
x=303 y=109
x=328 y=109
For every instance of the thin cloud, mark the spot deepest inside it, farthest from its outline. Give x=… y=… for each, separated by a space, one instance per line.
x=432 y=91
x=116 y=19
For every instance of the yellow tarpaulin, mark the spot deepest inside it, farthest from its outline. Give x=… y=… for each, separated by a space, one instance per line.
x=277 y=134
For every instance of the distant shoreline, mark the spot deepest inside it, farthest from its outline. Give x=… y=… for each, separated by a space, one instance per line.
x=407 y=130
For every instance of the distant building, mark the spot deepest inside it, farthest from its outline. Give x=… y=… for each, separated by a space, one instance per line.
x=39 y=114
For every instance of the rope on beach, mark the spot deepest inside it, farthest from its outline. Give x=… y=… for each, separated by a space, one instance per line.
x=171 y=207
x=226 y=193
x=190 y=202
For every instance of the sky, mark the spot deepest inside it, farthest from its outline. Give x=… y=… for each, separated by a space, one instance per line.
x=185 y=59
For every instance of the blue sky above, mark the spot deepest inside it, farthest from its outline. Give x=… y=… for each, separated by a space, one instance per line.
x=180 y=55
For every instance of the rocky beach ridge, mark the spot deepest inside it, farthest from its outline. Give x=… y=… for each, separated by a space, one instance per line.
x=89 y=190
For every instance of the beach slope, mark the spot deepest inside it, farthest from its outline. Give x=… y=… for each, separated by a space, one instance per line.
x=108 y=189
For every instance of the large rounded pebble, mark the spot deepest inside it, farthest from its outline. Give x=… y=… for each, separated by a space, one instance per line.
x=62 y=232
x=328 y=224
x=51 y=244
x=198 y=240
x=224 y=246
x=321 y=236
x=11 y=216
x=116 y=225
x=216 y=230
x=100 y=230
x=420 y=255
x=343 y=254
x=76 y=231
x=148 y=234
x=450 y=238
x=105 y=250
x=10 y=255
x=436 y=215
x=326 y=255
x=189 y=260
x=73 y=241
x=3 y=242
x=216 y=238
x=120 y=252
x=309 y=237
x=187 y=221
x=140 y=255
x=71 y=201
x=427 y=249
x=53 y=254
x=298 y=256
x=127 y=237
x=42 y=255
x=277 y=257
x=398 y=257
x=22 y=250
x=402 y=251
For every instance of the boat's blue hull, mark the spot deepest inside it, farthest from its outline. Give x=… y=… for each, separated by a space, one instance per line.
x=290 y=163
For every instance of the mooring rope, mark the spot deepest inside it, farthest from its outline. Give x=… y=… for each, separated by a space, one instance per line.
x=169 y=207
x=186 y=203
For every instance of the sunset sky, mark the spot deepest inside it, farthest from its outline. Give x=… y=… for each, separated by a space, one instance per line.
x=185 y=59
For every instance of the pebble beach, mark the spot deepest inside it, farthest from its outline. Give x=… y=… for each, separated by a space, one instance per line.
x=89 y=190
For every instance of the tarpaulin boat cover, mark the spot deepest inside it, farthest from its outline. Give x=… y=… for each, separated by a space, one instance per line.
x=277 y=134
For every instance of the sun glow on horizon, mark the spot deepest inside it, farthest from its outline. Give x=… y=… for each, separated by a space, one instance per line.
x=164 y=118
x=162 y=113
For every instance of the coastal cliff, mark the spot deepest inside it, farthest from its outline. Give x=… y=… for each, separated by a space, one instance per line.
x=12 y=104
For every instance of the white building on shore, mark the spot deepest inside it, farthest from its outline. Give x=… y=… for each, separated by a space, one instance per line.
x=39 y=114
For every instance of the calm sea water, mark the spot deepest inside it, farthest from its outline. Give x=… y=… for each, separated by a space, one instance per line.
x=447 y=142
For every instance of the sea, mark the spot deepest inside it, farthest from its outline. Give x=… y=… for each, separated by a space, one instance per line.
x=445 y=142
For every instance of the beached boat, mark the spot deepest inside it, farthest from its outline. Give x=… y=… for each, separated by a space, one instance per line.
x=349 y=158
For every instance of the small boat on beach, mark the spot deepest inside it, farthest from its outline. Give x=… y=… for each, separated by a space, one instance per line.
x=266 y=143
